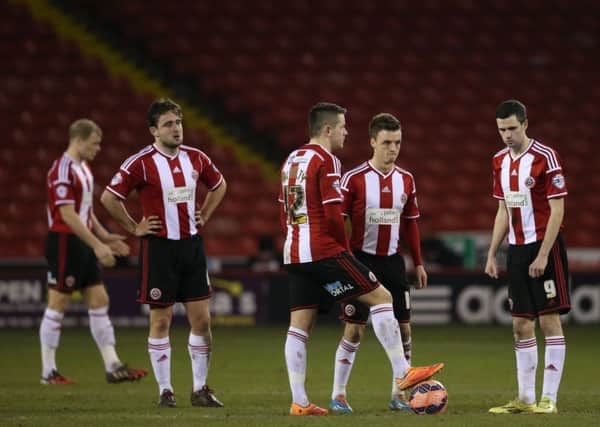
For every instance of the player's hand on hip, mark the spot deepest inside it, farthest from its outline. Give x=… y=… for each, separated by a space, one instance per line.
x=105 y=255
x=491 y=268
x=538 y=266
x=146 y=226
x=421 y=277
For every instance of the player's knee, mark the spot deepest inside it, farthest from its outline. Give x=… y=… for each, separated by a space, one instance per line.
x=353 y=332
x=383 y=295
x=58 y=301
x=523 y=328
x=160 y=325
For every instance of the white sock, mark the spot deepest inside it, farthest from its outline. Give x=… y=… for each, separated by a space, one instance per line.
x=104 y=335
x=199 y=349
x=407 y=347
x=295 y=360
x=387 y=331
x=160 y=356
x=49 y=339
x=344 y=360
x=527 y=359
x=556 y=348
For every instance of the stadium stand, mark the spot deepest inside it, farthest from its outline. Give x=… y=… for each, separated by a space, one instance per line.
x=441 y=67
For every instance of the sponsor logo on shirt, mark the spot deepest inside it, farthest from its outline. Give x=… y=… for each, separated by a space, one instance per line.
x=558 y=181
x=516 y=199
x=379 y=216
x=337 y=288
x=180 y=195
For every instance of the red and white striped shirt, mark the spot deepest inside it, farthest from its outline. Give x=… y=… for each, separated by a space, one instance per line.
x=167 y=186
x=310 y=178
x=376 y=203
x=69 y=182
x=525 y=183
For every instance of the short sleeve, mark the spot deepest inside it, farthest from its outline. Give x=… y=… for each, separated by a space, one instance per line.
x=411 y=207
x=555 y=183
x=497 y=191
x=329 y=183
x=211 y=176
x=127 y=179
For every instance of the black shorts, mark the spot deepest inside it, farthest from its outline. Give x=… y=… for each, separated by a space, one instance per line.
x=318 y=284
x=391 y=272
x=529 y=297
x=172 y=271
x=72 y=264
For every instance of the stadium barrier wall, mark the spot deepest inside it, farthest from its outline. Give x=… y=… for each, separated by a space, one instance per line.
x=247 y=299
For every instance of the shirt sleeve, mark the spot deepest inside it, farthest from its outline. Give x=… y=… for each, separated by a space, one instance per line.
x=127 y=179
x=211 y=176
x=329 y=183
x=411 y=208
x=497 y=192
x=63 y=190
x=555 y=183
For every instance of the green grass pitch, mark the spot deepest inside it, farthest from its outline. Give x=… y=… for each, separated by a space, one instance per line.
x=248 y=375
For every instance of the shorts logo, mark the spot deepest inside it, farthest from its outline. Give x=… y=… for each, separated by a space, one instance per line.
x=349 y=310
x=337 y=288
x=372 y=277
x=70 y=281
x=50 y=279
x=117 y=179
x=529 y=182
x=558 y=181
x=61 y=191
x=511 y=304
x=155 y=293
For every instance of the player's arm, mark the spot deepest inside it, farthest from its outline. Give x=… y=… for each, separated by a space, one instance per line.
x=211 y=201
x=348 y=227
x=101 y=250
x=498 y=235
x=557 y=212
x=113 y=240
x=118 y=211
x=412 y=237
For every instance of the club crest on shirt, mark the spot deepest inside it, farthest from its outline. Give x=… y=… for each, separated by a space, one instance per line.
x=195 y=175
x=558 y=181
x=403 y=198
x=117 y=179
x=155 y=293
x=61 y=191
x=529 y=182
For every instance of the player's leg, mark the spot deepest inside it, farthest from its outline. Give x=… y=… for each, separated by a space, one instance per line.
x=199 y=348
x=553 y=299
x=346 y=353
x=301 y=324
x=50 y=329
x=194 y=291
x=363 y=285
x=523 y=315
x=554 y=361
x=159 y=349
x=103 y=333
x=62 y=255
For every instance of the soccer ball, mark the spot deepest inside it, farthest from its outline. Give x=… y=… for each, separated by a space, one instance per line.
x=428 y=398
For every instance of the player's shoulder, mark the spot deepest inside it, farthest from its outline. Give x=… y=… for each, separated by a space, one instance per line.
x=501 y=153
x=60 y=169
x=549 y=154
x=193 y=151
x=403 y=172
x=354 y=173
x=129 y=162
